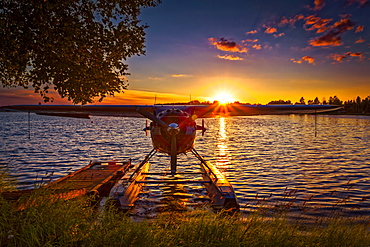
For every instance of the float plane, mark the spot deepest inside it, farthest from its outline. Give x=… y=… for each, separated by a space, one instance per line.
x=173 y=131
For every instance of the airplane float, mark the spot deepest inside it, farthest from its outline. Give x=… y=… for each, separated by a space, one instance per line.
x=173 y=132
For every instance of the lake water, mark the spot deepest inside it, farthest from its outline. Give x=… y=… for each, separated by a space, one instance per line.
x=272 y=161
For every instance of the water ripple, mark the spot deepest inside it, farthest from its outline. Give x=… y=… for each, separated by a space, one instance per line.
x=270 y=160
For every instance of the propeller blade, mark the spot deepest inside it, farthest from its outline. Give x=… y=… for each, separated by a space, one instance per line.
x=151 y=117
x=173 y=155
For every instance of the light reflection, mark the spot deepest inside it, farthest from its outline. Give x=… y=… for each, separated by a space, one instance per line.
x=222 y=148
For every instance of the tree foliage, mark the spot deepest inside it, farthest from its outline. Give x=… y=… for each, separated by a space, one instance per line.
x=358 y=106
x=335 y=100
x=75 y=47
x=280 y=102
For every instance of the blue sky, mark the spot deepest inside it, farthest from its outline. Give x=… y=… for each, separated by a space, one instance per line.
x=255 y=50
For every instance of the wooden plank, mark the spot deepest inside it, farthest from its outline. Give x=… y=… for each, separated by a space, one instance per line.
x=91 y=177
x=126 y=191
x=178 y=173
x=97 y=178
x=173 y=181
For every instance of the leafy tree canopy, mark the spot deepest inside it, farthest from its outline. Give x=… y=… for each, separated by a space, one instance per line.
x=280 y=102
x=76 y=47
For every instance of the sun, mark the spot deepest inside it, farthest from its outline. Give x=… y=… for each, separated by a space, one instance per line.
x=224 y=98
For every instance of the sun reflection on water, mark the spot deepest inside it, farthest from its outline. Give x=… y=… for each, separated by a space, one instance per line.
x=222 y=149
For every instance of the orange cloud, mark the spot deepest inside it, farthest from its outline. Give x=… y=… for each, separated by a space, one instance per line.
x=250 y=40
x=155 y=78
x=359 y=29
x=299 y=17
x=319 y=4
x=257 y=47
x=360 y=40
x=308 y=59
x=225 y=45
x=230 y=57
x=355 y=54
x=343 y=25
x=284 y=21
x=312 y=19
x=291 y=21
x=332 y=38
x=279 y=35
x=360 y=2
x=326 y=40
x=179 y=75
x=251 y=32
x=339 y=57
x=270 y=30
x=294 y=61
x=316 y=23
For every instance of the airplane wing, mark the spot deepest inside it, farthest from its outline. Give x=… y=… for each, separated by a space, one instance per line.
x=82 y=111
x=200 y=111
x=250 y=110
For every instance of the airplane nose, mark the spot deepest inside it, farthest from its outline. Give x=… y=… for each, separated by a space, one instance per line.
x=173 y=129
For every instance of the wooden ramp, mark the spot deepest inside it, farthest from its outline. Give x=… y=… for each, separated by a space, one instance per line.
x=97 y=178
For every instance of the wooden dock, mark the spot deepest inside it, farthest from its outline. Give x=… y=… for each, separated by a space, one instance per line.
x=97 y=178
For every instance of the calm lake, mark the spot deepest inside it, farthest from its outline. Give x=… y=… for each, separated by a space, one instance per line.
x=272 y=161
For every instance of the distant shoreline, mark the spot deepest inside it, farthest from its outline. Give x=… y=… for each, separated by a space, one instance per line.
x=322 y=113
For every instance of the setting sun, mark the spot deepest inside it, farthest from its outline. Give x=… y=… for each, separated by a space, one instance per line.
x=224 y=98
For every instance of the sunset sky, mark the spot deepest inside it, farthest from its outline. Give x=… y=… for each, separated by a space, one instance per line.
x=255 y=50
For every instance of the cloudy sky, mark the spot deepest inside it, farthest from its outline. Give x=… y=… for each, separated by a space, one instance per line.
x=255 y=50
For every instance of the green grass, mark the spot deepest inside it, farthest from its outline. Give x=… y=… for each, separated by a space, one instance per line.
x=7 y=183
x=55 y=222
x=76 y=223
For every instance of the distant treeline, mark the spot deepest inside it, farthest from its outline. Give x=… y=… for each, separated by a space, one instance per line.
x=357 y=106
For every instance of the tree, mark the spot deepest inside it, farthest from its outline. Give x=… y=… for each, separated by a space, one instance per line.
x=358 y=100
x=335 y=101
x=280 y=102
x=358 y=106
x=75 y=47
x=301 y=102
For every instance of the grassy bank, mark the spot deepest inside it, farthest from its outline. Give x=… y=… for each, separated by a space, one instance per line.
x=76 y=223
x=39 y=219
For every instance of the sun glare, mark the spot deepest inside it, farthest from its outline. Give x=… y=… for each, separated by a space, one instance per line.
x=224 y=98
